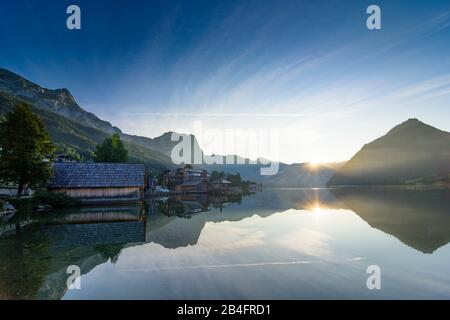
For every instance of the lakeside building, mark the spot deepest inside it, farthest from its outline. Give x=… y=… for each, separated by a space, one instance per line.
x=99 y=182
x=183 y=175
x=190 y=181
x=186 y=180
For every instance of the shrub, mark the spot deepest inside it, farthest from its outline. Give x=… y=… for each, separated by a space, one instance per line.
x=21 y=203
x=55 y=200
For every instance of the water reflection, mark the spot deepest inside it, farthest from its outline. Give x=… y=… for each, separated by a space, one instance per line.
x=187 y=205
x=35 y=250
x=420 y=219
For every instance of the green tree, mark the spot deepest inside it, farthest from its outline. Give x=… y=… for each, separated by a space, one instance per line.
x=111 y=150
x=216 y=175
x=26 y=149
x=235 y=179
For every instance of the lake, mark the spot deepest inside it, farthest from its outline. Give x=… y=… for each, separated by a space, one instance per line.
x=276 y=244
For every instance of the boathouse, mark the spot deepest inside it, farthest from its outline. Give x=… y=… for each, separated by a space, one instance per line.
x=99 y=182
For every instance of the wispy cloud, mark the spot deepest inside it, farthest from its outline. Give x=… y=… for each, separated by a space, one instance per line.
x=312 y=90
x=435 y=86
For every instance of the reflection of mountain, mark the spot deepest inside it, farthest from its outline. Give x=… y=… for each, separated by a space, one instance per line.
x=412 y=151
x=171 y=232
x=33 y=263
x=420 y=219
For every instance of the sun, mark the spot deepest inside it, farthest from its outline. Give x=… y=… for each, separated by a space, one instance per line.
x=315 y=163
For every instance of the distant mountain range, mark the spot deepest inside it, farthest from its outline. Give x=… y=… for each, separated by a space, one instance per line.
x=411 y=152
x=71 y=126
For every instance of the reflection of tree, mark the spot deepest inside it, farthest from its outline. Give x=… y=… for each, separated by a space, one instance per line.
x=218 y=201
x=187 y=205
x=33 y=263
x=24 y=263
x=111 y=252
x=171 y=207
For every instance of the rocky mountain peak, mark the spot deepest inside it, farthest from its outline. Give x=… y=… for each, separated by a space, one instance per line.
x=59 y=101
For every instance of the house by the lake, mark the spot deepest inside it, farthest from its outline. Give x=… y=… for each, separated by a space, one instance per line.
x=187 y=180
x=183 y=175
x=190 y=181
x=99 y=182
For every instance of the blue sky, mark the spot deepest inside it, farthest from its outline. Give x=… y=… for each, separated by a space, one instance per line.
x=309 y=70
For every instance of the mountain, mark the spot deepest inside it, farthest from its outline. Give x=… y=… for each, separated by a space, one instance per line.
x=73 y=128
x=59 y=101
x=411 y=152
x=302 y=175
x=62 y=103
x=68 y=134
x=70 y=126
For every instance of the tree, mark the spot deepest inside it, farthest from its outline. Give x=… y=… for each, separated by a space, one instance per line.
x=235 y=179
x=26 y=149
x=216 y=175
x=111 y=150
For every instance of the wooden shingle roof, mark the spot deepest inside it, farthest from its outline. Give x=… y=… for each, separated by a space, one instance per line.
x=97 y=175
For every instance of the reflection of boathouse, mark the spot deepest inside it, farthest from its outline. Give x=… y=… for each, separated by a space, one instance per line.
x=185 y=205
x=99 y=182
x=97 y=226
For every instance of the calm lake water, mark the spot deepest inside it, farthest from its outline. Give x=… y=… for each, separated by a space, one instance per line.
x=283 y=244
